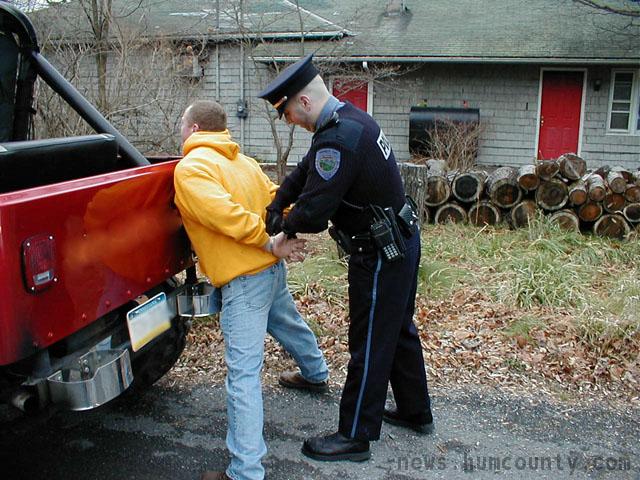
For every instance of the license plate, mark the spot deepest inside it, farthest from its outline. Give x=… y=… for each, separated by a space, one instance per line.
x=148 y=320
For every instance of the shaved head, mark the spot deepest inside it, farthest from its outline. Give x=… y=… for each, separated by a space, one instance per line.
x=304 y=109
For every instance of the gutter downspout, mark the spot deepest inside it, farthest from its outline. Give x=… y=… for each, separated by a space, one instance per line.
x=217 y=72
x=218 y=99
x=242 y=119
x=241 y=102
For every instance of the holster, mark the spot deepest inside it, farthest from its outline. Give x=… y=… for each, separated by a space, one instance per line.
x=341 y=238
x=408 y=219
x=386 y=235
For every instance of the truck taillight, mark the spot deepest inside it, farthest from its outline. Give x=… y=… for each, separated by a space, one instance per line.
x=39 y=262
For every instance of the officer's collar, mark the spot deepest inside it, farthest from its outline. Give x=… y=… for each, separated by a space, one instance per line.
x=327 y=113
x=332 y=120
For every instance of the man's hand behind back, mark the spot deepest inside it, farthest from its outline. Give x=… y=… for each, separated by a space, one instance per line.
x=291 y=249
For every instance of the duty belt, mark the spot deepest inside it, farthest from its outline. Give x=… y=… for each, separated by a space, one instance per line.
x=362 y=243
x=406 y=221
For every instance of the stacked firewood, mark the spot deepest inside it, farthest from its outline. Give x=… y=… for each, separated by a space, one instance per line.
x=605 y=201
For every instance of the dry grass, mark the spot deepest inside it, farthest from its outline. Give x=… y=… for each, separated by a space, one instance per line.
x=534 y=309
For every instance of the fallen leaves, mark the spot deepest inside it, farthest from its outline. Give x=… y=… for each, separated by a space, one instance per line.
x=468 y=339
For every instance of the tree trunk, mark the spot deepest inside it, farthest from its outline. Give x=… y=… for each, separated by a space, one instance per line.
x=527 y=178
x=282 y=152
x=547 y=169
x=590 y=211
x=632 y=212
x=572 y=166
x=566 y=220
x=523 y=213
x=450 y=212
x=468 y=186
x=613 y=202
x=596 y=189
x=612 y=226
x=415 y=181
x=577 y=193
x=484 y=213
x=502 y=187
x=101 y=24
x=552 y=194
x=434 y=165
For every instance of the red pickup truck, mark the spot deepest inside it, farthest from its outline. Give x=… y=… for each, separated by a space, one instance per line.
x=90 y=246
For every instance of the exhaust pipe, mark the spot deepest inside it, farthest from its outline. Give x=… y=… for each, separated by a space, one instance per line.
x=25 y=400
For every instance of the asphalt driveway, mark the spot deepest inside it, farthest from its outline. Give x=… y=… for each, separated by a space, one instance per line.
x=176 y=433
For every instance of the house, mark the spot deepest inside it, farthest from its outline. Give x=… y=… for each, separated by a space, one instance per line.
x=547 y=76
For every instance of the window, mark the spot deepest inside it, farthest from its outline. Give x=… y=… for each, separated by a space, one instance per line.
x=624 y=102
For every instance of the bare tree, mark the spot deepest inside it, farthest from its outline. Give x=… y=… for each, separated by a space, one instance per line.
x=456 y=143
x=259 y=45
x=626 y=8
x=626 y=26
x=26 y=5
x=141 y=83
x=99 y=15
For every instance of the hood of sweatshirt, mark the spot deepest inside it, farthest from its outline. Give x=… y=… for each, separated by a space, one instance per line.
x=219 y=141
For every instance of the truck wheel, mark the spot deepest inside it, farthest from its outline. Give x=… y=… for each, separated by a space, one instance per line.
x=158 y=357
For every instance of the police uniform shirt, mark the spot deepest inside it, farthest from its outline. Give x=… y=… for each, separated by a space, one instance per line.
x=349 y=166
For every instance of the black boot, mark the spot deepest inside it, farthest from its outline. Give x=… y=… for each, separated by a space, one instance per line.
x=335 y=447
x=392 y=416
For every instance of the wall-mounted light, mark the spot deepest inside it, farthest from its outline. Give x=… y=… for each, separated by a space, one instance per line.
x=597 y=83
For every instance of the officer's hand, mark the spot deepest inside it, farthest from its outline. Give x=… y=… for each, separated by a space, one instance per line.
x=292 y=249
x=274 y=221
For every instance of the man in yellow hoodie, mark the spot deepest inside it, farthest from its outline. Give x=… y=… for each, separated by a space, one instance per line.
x=222 y=196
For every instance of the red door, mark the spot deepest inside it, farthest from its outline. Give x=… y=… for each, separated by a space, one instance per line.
x=353 y=91
x=560 y=113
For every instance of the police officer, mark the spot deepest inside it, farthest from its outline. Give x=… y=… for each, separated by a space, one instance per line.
x=349 y=176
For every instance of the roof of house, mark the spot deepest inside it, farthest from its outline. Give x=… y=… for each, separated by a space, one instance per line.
x=184 y=19
x=542 y=31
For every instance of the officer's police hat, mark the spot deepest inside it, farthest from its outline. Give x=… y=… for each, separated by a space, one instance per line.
x=290 y=81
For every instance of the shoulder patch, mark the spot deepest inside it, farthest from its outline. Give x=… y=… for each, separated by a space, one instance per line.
x=327 y=162
x=385 y=146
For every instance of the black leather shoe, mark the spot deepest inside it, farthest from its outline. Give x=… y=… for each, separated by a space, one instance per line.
x=392 y=416
x=336 y=447
x=296 y=380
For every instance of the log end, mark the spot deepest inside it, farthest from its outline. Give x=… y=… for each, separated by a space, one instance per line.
x=612 y=226
x=566 y=220
x=523 y=213
x=484 y=213
x=450 y=213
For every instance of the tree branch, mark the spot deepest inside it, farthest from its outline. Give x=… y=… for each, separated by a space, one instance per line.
x=606 y=7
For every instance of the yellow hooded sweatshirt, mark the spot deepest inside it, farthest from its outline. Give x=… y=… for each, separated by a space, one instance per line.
x=222 y=196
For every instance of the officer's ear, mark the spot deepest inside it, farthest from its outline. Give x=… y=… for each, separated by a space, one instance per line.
x=305 y=101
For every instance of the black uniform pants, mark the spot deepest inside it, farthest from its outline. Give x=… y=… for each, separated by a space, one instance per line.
x=383 y=343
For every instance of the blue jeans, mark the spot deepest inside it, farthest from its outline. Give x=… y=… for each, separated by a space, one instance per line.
x=253 y=305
